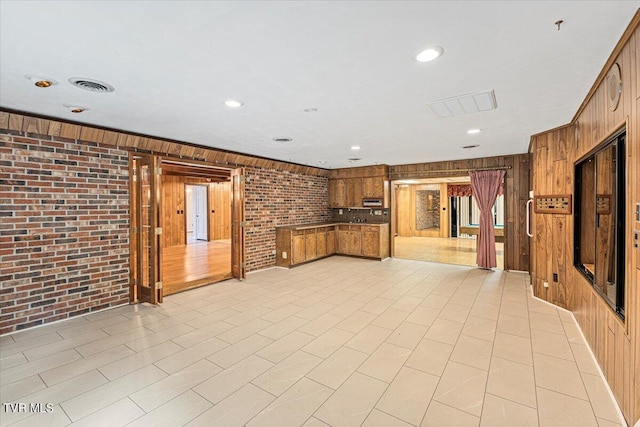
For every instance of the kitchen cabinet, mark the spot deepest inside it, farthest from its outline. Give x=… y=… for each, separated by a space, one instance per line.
x=321 y=242
x=337 y=193
x=373 y=187
x=311 y=251
x=350 y=240
x=347 y=187
x=331 y=241
x=353 y=192
x=299 y=244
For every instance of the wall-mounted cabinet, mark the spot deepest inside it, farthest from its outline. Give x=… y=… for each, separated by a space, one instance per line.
x=348 y=187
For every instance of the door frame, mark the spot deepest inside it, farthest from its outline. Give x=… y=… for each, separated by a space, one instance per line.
x=238 y=269
x=145 y=289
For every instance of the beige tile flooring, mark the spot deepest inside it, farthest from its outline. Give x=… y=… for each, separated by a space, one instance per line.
x=338 y=342
x=448 y=250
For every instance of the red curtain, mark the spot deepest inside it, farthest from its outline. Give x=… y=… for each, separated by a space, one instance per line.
x=465 y=190
x=486 y=185
x=459 y=190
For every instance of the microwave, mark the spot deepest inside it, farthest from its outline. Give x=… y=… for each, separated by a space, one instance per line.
x=372 y=203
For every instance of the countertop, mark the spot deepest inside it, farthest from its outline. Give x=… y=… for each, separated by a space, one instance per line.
x=327 y=224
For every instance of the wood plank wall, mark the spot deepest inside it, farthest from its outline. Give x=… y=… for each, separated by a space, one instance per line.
x=22 y=122
x=406 y=211
x=174 y=209
x=616 y=344
x=516 y=256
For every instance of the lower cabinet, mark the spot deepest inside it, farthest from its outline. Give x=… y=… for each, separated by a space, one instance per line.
x=295 y=246
x=298 y=246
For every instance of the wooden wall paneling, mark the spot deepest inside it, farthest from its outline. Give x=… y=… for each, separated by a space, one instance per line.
x=110 y=138
x=173 y=210
x=35 y=125
x=558 y=262
x=91 y=134
x=15 y=122
x=4 y=120
x=70 y=131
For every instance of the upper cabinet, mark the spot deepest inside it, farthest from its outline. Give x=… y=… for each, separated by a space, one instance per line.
x=349 y=187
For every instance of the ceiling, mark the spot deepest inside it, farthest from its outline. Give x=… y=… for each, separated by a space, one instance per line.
x=174 y=64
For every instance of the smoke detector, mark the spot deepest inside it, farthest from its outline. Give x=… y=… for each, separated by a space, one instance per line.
x=91 y=85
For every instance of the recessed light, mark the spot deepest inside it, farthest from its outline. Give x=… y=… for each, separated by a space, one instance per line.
x=232 y=103
x=430 y=54
x=41 y=82
x=467 y=147
x=75 y=108
x=282 y=139
x=474 y=131
x=355 y=147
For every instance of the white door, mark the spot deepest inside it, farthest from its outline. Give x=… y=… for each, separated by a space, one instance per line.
x=201 y=212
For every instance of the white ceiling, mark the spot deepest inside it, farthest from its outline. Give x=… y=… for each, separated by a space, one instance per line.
x=173 y=64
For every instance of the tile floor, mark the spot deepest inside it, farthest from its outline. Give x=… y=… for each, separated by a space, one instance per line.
x=338 y=342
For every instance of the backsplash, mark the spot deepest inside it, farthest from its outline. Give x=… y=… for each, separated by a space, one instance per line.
x=364 y=215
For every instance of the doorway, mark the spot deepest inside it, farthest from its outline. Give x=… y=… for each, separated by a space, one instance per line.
x=436 y=220
x=196 y=213
x=187 y=225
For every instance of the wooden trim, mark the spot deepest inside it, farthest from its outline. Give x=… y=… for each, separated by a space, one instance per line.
x=448 y=171
x=628 y=33
x=29 y=123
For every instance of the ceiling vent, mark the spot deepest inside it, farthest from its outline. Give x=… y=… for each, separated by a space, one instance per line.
x=91 y=85
x=465 y=104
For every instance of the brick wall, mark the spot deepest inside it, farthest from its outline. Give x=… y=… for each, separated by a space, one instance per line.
x=274 y=198
x=64 y=223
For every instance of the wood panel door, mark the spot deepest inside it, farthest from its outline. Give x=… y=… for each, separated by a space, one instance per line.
x=145 y=224
x=331 y=241
x=201 y=206
x=220 y=216
x=337 y=193
x=238 y=269
x=310 y=244
x=321 y=242
x=373 y=187
x=353 y=192
x=173 y=211
x=298 y=243
x=371 y=241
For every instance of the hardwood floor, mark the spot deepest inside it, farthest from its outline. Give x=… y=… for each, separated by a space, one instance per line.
x=187 y=266
x=443 y=250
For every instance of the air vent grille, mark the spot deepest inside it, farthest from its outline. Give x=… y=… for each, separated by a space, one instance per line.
x=91 y=85
x=465 y=104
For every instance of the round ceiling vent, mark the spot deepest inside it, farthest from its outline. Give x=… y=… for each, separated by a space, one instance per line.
x=91 y=85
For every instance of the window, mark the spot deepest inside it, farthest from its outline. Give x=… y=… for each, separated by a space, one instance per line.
x=599 y=220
